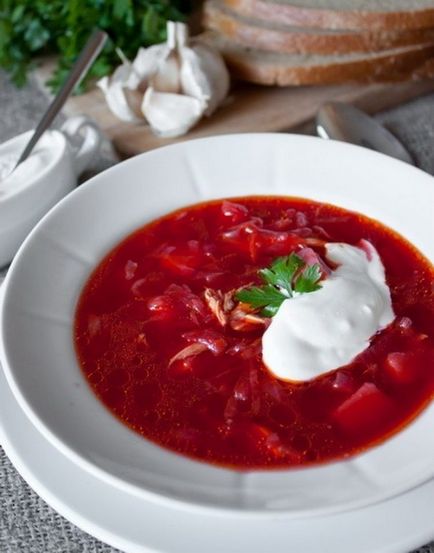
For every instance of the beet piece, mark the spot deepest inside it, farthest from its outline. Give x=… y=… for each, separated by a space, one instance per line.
x=234 y=213
x=362 y=411
x=183 y=259
x=403 y=368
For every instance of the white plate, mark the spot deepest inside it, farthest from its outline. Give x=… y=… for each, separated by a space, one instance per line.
x=139 y=525
x=43 y=284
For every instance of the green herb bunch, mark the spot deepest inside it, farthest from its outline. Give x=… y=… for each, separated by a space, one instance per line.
x=30 y=28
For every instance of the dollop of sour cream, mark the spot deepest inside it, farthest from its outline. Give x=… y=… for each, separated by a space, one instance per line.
x=316 y=332
x=12 y=182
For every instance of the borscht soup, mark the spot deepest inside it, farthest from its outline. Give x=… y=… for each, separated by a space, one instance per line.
x=260 y=332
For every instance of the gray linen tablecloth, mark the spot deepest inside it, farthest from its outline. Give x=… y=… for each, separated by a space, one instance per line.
x=28 y=524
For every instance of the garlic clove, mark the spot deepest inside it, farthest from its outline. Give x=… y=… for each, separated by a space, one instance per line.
x=206 y=66
x=203 y=73
x=158 y=63
x=145 y=65
x=121 y=103
x=194 y=80
x=169 y=114
x=167 y=77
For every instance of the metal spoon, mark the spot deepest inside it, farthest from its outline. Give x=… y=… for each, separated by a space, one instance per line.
x=339 y=121
x=87 y=56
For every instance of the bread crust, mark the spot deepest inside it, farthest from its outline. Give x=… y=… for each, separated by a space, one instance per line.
x=287 y=14
x=256 y=34
x=389 y=66
x=248 y=32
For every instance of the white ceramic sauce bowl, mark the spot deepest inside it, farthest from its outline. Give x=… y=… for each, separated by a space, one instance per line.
x=28 y=199
x=47 y=275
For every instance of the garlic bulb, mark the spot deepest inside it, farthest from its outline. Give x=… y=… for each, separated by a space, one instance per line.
x=179 y=81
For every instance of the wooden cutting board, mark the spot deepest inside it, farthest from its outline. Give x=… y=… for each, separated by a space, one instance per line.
x=249 y=108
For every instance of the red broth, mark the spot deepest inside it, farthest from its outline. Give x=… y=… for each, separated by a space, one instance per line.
x=145 y=302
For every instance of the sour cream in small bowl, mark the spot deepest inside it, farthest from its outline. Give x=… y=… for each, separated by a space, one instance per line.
x=46 y=176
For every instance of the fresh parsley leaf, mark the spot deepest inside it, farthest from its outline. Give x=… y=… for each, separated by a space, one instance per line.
x=264 y=296
x=285 y=276
x=282 y=272
x=308 y=280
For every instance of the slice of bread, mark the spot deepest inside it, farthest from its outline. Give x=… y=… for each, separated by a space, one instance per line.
x=278 y=37
x=272 y=68
x=341 y=14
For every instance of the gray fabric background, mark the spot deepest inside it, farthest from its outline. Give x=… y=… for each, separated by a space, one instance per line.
x=28 y=524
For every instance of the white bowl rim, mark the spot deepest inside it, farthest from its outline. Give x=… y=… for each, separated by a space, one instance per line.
x=81 y=460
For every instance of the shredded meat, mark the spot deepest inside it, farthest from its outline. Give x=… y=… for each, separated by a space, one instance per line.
x=244 y=318
x=228 y=301
x=192 y=349
x=239 y=316
x=216 y=303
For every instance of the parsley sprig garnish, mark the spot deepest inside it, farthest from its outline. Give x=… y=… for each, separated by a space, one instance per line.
x=286 y=277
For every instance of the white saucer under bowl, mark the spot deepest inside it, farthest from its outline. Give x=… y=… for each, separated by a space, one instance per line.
x=43 y=284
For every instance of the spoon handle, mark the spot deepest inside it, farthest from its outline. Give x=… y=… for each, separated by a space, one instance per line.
x=345 y=122
x=91 y=50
